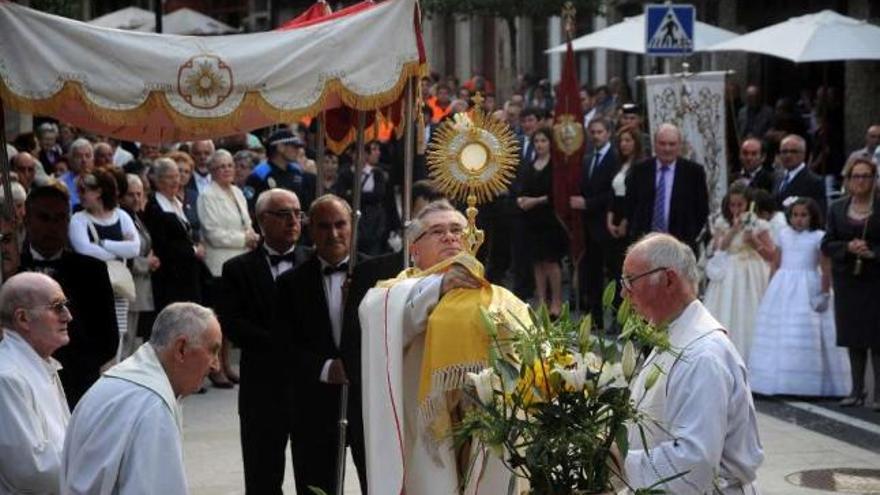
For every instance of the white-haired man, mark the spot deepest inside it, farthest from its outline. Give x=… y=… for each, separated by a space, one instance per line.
x=422 y=329
x=667 y=193
x=707 y=427
x=125 y=434
x=34 y=315
x=82 y=161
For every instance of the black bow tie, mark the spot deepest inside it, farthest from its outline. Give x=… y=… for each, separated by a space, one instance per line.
x=275 y=259
x=330 y=270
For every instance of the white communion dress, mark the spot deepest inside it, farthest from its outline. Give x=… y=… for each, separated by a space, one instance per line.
x=793 y=349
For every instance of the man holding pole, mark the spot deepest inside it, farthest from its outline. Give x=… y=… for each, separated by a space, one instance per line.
x=319 y=349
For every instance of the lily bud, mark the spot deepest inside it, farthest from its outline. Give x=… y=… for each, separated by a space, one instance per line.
x=628 y=360
x=653 y=375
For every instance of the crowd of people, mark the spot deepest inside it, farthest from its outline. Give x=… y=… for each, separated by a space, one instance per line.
x=133 y=243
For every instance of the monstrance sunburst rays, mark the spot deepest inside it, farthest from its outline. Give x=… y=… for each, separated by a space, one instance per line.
x=473 y=158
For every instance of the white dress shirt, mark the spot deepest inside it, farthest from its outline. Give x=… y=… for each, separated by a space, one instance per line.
x=333 y=295
x=282 y=266
x=202 y=181
x=34 y=416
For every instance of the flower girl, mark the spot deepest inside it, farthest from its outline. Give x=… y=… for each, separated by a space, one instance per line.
x=794 y=350
x=738 y=269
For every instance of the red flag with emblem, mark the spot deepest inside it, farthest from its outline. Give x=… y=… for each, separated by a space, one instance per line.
x=568 y=149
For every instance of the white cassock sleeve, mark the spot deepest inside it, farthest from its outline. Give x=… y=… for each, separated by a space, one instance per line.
x=29 y=463
x=421 y=300
x=697 y=409
x=153 y=462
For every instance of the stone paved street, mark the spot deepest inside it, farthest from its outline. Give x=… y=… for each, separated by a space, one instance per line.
x=213 y=455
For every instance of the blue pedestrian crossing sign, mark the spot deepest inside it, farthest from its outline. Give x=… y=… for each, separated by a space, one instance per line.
x=669 y=29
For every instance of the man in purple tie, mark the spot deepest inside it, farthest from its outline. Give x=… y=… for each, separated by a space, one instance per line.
x=668 y=193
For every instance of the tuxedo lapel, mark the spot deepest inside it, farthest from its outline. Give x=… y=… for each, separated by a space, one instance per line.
x=320 y=311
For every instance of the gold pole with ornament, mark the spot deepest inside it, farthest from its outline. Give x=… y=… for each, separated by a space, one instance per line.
x=472 y=157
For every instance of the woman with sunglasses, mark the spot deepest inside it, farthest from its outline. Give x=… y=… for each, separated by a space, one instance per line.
x=852 y=241
x=104 y=231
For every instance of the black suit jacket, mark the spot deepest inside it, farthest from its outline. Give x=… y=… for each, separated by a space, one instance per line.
x=94 y=335
x=303 y=315
x=179 y=275
x=805 y=184
x=688 y=207
x=597 y=193
x=763 y=179
x=245 y=302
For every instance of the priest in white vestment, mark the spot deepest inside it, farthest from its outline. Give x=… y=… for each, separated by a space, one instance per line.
x=33 y=409
x=422 y=333
x=701 y=397
x=125 y=436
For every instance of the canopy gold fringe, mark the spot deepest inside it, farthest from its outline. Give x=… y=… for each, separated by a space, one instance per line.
x=213 y=126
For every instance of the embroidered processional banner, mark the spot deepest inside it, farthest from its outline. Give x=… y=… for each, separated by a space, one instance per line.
x=160 y=88
x=694 y=103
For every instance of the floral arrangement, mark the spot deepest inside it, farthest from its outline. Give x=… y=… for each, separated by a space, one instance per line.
x=554 y=402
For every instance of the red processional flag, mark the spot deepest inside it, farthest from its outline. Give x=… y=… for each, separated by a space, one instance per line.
x=568 y=150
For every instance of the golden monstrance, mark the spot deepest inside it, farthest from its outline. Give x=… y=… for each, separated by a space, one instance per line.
x=473 y=157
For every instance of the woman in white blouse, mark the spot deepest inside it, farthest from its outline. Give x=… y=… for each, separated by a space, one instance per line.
x=226 y=232
x=104 y=231
x=226 y=224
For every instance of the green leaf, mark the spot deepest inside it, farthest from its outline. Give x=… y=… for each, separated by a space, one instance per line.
x=622 y=438
x=608 y=294
x=584 y=332
x=316 y=490
x=488 y=322
x=624 y=311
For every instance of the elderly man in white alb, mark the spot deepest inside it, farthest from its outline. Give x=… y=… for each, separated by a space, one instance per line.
x=707 y=427
x=33 y=409
x=422 y=333
x=125 y=434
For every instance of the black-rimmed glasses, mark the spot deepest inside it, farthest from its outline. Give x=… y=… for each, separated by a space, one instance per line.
x=286 y=214
x=626 y=281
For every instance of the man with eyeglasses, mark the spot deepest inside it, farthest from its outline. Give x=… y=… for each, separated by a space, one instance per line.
x=706 y=436
x=34 y=316
x=421 y=332
x=798 y=179
x=246 y=308
x=93 y=332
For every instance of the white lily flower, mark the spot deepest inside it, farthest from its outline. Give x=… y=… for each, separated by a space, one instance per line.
x=592 y=362
x=612 y=376
x=628 y=360
x=574 y=378
x=483 y=382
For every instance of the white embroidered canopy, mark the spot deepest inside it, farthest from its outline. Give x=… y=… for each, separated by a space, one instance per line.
x=160 y=88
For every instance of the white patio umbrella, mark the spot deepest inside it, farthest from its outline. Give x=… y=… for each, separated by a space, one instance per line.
x=629 y=36
x=132 y=18
x=189 y=21
x=824 y=36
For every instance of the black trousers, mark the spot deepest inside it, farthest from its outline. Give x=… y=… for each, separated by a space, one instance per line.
x=601 y=263
x=265 y=432
x=858 y=360
x=315 y=446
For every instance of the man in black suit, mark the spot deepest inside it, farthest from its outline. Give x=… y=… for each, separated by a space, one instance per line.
x=245 y=306
x=599 y=170
x=798 y=180
x=667 y=193
x=753 y=174
x=314 y=292
x=93 y=332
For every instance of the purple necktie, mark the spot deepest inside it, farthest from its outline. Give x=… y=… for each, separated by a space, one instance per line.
x=659 y=223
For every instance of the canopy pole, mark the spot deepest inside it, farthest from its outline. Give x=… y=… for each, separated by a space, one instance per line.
x=408 y=155
x=320 y=153
x=158 y=7
x=7 y=211
x=352 y=260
